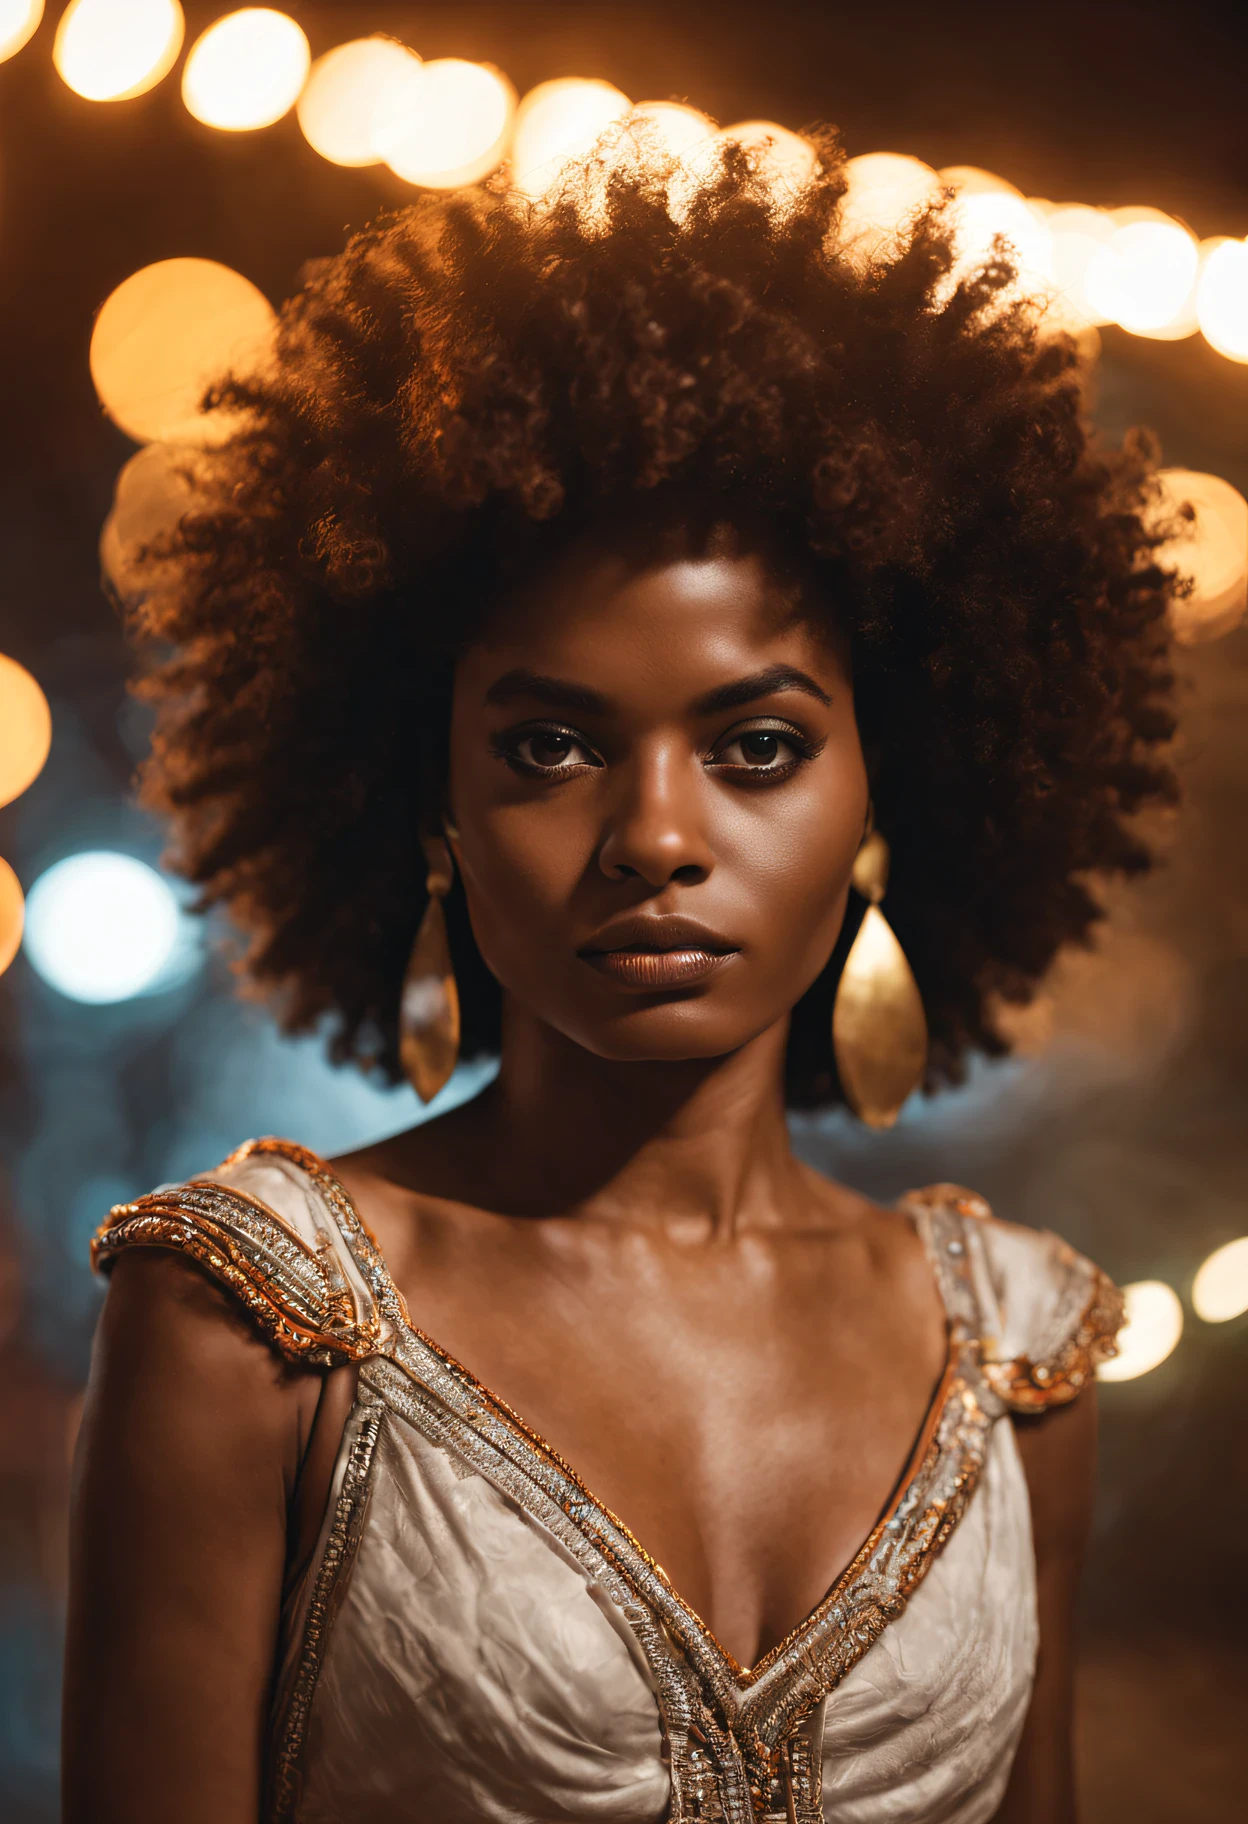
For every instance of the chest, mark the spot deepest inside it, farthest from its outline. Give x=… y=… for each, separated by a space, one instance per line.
x=486 y=1651
x=746 y=1412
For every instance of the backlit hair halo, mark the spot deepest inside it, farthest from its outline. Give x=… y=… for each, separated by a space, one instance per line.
x=471 y=386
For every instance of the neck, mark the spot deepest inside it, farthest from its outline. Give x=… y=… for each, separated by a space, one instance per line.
x=640 y=1143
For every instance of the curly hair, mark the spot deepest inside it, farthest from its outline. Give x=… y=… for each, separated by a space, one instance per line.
x=472 y=382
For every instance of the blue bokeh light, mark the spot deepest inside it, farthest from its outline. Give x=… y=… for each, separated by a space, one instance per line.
x=103 y=927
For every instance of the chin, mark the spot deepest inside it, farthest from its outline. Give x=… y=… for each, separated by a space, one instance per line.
x=675 y=1033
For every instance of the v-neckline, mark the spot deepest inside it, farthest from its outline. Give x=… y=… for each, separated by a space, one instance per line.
x=950 y=1386
x=742 y=1676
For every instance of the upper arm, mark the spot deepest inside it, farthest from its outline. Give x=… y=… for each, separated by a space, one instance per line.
x=190 y=1443
x=1058 y=1449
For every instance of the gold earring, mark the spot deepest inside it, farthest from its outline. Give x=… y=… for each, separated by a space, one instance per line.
x=879 y=1032
x=429 y=1006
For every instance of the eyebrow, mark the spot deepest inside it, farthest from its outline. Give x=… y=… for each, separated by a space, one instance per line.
x=760 y=684
x=561 y=693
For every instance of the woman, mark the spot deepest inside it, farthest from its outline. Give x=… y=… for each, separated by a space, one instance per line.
x=605 y=576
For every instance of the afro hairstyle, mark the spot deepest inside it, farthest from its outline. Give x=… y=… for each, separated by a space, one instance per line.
x=475 y=381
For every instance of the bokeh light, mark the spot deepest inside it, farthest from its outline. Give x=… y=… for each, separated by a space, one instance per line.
x=557 y=123
x=1212 y=551
x=669 y=128
x=447 y=124
x=1152 y=1330
x=1144 y=277
x=1222 y=299
x=111 y=50
x=164 y=335
x=25 y=729
x=987 y=208
x=153 y=491
x=246 y=71
x=1220 y=1288
x=102 y=927
x=1075 y=234
x=19 y=21
x=12 y=912
x=885 y=190
x=659 y=134
x=347 y=95
x=784 y=160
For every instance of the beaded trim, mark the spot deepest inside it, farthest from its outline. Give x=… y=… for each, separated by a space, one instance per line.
x=363 y=1429
x=297 y=1294
x=1029 y=1386
x=1082 y=1328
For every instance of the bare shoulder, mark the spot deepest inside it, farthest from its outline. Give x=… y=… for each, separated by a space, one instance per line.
x=886 y=1231
x=419 y=1178
x=894 y=1268
x=176 y=1356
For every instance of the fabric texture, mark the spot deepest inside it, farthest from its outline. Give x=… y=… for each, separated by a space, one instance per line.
x=476 y=1641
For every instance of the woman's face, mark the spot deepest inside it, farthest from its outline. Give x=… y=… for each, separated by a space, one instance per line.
x=659 y=791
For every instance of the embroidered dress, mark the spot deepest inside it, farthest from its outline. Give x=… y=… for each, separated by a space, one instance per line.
x=476 y=1640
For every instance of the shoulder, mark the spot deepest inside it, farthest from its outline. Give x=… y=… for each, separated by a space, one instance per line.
x=1049 y=1315
x=274 y=1231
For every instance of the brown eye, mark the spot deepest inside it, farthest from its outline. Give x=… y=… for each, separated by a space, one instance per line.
x=548 y=749
x=545 y=752
x=760 y=748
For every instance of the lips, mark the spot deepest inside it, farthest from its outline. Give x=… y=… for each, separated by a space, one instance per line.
x=652 y=954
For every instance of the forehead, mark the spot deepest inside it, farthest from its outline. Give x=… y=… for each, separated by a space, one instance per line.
x=674 y=626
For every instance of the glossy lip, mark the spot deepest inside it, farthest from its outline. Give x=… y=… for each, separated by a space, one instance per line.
x=654 y=953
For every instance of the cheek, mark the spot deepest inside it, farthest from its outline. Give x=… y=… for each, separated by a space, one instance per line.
x=795 y=846
x=521 y=862
x=524 y=860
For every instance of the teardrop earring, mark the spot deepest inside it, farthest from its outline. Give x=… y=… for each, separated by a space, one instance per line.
x=879 y=1032
x=429 y=1005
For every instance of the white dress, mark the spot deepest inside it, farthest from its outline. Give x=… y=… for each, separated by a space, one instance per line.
x=478 y=1641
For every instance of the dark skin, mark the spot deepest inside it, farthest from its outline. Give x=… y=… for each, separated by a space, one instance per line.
x=735 y=1354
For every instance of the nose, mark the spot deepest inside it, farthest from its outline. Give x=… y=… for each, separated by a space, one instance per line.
x=655 y=831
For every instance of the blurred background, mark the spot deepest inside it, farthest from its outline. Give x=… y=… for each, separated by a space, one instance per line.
x=129 y=138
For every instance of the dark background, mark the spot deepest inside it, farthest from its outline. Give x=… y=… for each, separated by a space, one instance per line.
x=1123 y=1127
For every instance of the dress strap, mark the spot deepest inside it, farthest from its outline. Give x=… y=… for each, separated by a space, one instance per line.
x=260 y=1227
x=1045 y=1316
x=941 y=1213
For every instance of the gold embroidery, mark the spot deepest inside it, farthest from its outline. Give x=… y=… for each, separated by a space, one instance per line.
x=1082 y=1329
x=1028 y=1386
x=803 y=1781
x=945 y=1197
x=296 y=1293
x=365 y=1424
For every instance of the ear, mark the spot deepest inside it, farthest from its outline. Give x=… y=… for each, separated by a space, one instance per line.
x=439 y=860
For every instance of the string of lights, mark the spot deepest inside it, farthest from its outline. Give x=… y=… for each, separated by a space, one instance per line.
x=101 y=926
x=448 y=122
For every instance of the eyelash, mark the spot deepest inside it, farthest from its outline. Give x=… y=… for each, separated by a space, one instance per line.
x=506 y=747
x=742 y=773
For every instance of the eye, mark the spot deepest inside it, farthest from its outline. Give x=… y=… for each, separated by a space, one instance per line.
x=545 y=751
x=763 y=752
x=761 y=747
